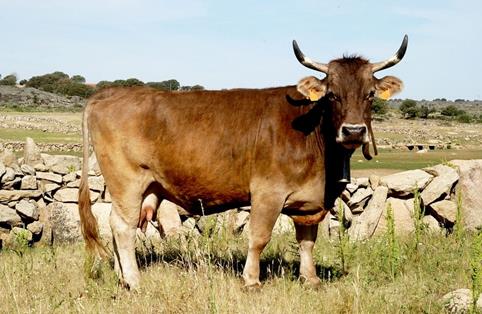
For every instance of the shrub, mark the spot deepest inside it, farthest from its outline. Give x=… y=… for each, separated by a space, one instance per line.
x=9 y=80
x=451 y=111
x=379 y=106
x=409 y=108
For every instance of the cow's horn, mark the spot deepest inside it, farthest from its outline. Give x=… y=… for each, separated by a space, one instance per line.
x=392 y=60
x=307 y=62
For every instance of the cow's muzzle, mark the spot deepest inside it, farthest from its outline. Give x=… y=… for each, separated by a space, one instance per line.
x=352 y=135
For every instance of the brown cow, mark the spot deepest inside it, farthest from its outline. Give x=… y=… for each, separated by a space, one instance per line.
x=282 y=150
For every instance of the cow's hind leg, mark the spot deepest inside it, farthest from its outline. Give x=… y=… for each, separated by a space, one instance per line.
x=265 y=209
x=306 y=237
x=124 y=219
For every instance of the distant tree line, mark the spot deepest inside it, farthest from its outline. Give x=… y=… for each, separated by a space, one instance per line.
x=410 y=109
x=61 y=83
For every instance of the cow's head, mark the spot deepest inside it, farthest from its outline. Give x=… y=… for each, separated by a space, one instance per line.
x=350 y=87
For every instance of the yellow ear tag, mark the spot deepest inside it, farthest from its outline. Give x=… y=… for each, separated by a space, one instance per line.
x=314 y=96
x=384 y=95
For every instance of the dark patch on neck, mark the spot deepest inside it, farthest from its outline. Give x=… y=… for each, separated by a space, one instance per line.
x=307 y=123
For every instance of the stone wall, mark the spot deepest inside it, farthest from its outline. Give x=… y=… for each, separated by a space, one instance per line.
x=39 y=193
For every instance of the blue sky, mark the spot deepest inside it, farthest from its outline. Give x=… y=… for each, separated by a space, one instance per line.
x=224 y=44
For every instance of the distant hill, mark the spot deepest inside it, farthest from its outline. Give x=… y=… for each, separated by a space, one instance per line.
x=32 y=99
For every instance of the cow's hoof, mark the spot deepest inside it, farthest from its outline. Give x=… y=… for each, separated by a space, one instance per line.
x=311 y=283
x=254 y=287
x=131 y=287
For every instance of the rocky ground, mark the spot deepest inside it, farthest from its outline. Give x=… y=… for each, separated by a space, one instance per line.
x=32 y=98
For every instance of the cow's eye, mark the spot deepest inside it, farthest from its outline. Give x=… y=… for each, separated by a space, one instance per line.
x=333 y=97
x=371 y=94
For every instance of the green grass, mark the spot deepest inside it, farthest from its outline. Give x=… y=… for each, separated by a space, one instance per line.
x=407 y=160
x=202 y=275
x=38 y=136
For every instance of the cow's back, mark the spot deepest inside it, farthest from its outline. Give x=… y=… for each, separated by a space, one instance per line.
x=200 y=146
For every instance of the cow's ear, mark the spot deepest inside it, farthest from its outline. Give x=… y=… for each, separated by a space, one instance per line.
x=312 y=88
x=388 y=86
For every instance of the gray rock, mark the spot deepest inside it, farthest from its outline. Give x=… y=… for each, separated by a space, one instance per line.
x=360 y=196
x=28 y=209
x=8 y=158
x=431 y=224
x=69 y=177
x=350 y=187
x=31 y=153
x=470 y=189
x=65 y=222
x=74 y=184
x=21 y=232
x=365 y=225
x=9 y=216
x=169 y=219
x=8 y=176
x=48 y=176
x=14 y=195
x=445 y=210
x=189 y=225
x=2 y=169
x=374 y=181
x=362 y=182
x=28 y=183
x=242 y=218
x=284 y=224
x=40 y=167
x=101 y=212
x=107 y=197
x=64 y=164
x=402 y=215
x=28 y=170
x=441 y=185
x=404 y=183
x=94 y=165
x=35 y=227
x=97 y=183
x=50 y=187
x=71 y=195
x=14 y=184
x=460 y=301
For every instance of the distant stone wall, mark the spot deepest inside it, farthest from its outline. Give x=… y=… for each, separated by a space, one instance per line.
x=39 y=194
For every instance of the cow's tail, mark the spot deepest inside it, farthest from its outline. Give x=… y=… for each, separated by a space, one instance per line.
x=88 y=223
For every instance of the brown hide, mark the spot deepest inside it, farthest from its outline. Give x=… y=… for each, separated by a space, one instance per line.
x=208 y=150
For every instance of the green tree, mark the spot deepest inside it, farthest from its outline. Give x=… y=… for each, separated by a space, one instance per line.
x=169 y=85
x=133 y=82
x=78 y=79
x=197 y=87
x=9 y=80
x=379 y=106
x=103 y=84
x=409 y=108
x=425 y=111
x=452 y=111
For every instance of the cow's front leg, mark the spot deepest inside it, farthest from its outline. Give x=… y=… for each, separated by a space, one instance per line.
x=265 y=209
x=306 y=237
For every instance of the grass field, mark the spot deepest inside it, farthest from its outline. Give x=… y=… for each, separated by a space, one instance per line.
x=202 y=275
x=38 y=136
x=405 y=160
